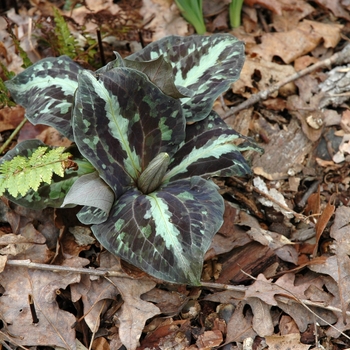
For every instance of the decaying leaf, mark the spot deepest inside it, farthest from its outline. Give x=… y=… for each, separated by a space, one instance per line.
x=284 y=342
x=54 y=325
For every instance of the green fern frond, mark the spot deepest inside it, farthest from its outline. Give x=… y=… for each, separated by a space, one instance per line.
x=67 y=44
x=21 y=174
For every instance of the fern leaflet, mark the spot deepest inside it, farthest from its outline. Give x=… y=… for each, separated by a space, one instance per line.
x=67 y=44
x=21 y=174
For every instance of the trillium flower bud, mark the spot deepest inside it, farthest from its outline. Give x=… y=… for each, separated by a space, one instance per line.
x=152 y=176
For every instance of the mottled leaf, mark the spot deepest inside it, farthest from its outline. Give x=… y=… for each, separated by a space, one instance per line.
x=46 y=90
x=207 y=65
x=209 y=150
x=166 y=232
x=160 y=72
x=121 y=122
x=92 y=192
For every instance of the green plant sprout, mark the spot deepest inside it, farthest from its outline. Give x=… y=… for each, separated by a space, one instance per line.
x=192 y=11
x=147 y=145
x=235 y=9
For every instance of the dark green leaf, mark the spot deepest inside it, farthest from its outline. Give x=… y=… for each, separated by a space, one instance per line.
x=167 y=232
x=46 y=90
x=121 y=122
x=209 y=150
x=207 y=65
x=118 y=62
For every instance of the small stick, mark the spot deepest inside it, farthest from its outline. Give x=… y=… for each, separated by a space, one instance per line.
x=14 y=133
x=102 y=273
x=32 y=309
x=338 y=58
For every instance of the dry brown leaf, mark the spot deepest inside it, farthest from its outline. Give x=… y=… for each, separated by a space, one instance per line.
x=169 y=302
x=259 y=74
x=322 y=222
x=292 y=13
x=30 y=244
x=18 y=217
x=3 y=260
x=286 y=342
x=166 y=18
x=298 y=41
x=303 y=317
x=209 y=340
x=289 y=148
x=11 y=117
x=50 y=136
x=266 y=290
x=287 y=325
x=262 y=319
x=340 y=232
x=240 y=327
x=55 y=325
x=335 y=6
x=168 y=334
x=273 y=5
x=134 y=312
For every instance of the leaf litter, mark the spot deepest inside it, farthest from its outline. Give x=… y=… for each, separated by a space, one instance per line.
x=273 y=277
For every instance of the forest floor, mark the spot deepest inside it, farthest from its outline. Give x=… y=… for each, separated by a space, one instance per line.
x=277 y=275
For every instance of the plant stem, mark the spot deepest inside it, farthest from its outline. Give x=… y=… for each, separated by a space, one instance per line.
x=192 y=11
x=235 y=10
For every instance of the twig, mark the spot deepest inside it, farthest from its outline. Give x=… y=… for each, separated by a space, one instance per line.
x=284 y=299
x=14 y=133
x=338 y=58
x=102 y=273
x=58 y=268
x=293 y=298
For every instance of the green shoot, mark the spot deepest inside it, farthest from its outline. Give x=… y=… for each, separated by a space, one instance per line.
x=192 y=11
x=235 y=9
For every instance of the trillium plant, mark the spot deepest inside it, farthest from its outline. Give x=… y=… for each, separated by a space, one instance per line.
x=146 y=145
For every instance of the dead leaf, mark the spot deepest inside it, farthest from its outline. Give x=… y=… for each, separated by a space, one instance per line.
x=209 y=339
x=166 y=18
x=322 y=222
x=335 y=6
x=169 y=302
x=298 y=41
x=11 y=117
x=54 y=326
x=286 y=342
x=272 y=5
x=134 y=312
x=30 y=244
x=239 y=327
x=290 y=147
x=274 y=194
x=287 y=325
x=259 y=74
x=292 y=13
x=262 y=319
